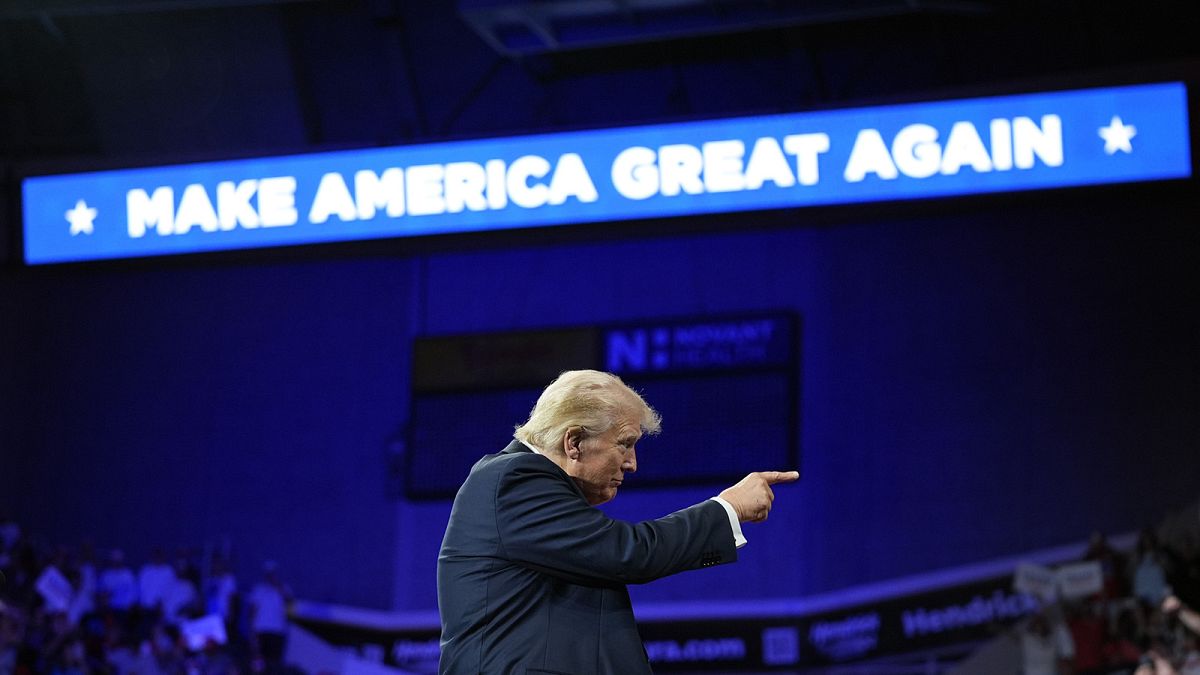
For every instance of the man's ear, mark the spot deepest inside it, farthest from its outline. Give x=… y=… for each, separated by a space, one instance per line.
x=571 y=440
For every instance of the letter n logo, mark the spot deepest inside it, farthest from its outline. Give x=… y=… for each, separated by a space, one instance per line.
x=627 y=351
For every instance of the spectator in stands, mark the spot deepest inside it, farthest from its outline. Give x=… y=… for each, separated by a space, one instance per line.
x=82 y=574
x=268 y=616
x=117 y=583
x=1111 y=565
x=220 y=593
x=186 y=565
x=179 y=597
x=154 y=579
x=81 y=597
x=1149 y=569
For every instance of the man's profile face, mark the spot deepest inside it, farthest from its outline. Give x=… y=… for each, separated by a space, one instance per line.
x=603 y=459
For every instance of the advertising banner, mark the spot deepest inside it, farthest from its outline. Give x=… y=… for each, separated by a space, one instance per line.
x=962 y=614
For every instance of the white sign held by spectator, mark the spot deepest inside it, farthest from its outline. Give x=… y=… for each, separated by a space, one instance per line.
x=55 y=589
x=1080 y=580
x=199 y=632
x=1036 y=580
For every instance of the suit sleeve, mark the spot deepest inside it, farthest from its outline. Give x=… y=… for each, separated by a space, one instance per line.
x=543 y=523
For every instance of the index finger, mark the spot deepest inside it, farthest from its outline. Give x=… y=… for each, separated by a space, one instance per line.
x=773 y=477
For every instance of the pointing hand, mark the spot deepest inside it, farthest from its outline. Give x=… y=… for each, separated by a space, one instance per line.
x=752 y=496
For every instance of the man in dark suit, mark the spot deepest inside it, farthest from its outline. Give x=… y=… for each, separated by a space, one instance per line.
x=531 y=578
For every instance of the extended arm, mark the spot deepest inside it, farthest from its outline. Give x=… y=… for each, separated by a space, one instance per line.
x=545 y=524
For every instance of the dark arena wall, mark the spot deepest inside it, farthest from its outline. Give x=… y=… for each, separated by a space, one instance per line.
x=999 y=378
x=978 y=376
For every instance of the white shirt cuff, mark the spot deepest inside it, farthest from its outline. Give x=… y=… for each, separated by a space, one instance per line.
x=739 y=540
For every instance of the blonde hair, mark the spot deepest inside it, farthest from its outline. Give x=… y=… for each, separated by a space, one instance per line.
x=583 y=398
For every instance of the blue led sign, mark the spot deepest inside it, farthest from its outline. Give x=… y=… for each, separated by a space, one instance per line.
x=997 y=144
x=677 y=347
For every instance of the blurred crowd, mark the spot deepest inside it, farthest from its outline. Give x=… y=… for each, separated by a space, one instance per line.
x=72 y=611
x=1143 y=621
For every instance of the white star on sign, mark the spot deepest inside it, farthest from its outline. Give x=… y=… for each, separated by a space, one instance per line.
x=81 y=218
x=1116 y=136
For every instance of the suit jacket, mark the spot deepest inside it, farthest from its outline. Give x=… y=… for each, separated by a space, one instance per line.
x=531 y=579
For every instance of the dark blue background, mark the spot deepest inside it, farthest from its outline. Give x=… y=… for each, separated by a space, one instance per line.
x=978 y=377
x=993 y=380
